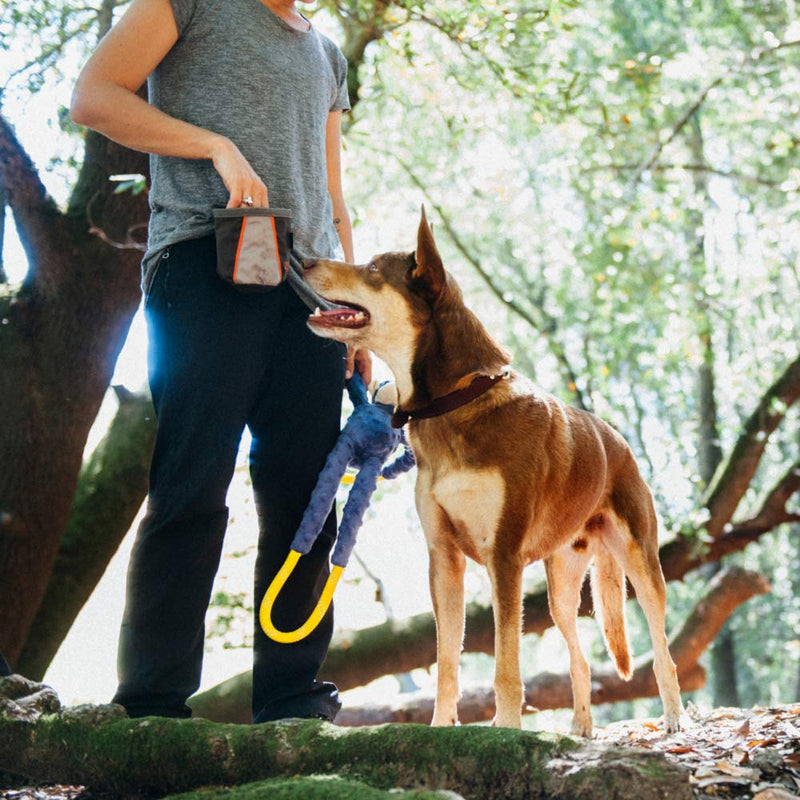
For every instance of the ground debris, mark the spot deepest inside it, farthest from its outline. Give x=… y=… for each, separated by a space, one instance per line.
x=45 y=793
x=731 y=752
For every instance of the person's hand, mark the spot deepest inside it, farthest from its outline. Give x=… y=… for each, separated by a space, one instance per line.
x=238 y=176
x=360 y=360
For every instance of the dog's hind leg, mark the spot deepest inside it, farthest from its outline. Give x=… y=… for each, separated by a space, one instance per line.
x=635 y=545
x=505 y=574
x=565 y=570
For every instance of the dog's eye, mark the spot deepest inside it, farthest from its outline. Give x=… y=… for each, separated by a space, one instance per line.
x=372 y=266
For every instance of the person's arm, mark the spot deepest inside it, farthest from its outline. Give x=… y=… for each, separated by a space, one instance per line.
x=333 y=155
x=105 y=99
x=360 y=359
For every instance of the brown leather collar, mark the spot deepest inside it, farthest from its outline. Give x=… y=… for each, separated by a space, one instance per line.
x=449 y=402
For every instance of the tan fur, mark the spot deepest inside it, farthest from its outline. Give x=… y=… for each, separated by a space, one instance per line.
x=511 y=477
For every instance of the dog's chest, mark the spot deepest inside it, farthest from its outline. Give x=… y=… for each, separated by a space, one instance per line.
x=473 y=500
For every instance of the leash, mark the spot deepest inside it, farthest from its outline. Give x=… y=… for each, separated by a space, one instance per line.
x=312 y=301
x=302 y=289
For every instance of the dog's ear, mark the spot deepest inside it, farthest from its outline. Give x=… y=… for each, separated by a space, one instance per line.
x=428 y=267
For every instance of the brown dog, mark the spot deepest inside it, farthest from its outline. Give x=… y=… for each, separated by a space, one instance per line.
x=507 y=475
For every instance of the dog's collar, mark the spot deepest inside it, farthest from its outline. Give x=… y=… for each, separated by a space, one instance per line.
x=449 y=402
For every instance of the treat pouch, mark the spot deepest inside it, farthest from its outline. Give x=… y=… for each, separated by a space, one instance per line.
x=253 y=246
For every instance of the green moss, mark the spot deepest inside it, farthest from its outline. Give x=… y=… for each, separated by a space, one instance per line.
x=311 y=787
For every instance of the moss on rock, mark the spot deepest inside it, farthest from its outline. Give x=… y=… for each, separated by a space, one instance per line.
x=311 y=787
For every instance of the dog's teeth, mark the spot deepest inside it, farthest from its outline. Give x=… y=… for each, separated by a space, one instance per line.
x=317 y=312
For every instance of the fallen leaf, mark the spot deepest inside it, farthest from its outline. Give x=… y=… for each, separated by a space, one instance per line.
x=741 y=772
x=774 y=793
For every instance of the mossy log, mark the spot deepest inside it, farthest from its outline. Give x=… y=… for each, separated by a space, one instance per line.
x=312 y=787
x=156 y=757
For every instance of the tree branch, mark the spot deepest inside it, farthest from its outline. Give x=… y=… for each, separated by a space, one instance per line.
x=726 y=592
x=706 y=168
x=36 y=215
x=736 y=473
x=700 y=98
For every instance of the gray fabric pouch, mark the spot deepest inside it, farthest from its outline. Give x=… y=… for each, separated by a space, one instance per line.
x=253 y=246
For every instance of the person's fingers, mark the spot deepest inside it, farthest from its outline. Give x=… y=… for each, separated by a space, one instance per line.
x=349 y=362
x=363 y=362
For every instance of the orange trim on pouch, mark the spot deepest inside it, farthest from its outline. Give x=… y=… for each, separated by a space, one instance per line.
x=277 y=249
x=238 y=249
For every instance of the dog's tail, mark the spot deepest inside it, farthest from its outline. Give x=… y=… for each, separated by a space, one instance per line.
x=608 y=595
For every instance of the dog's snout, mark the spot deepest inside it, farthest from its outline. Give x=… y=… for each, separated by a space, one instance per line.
x=309 y=263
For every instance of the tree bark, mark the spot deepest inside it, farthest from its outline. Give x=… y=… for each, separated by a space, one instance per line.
x=112 y=485
x=62 y=332
x=156 y=756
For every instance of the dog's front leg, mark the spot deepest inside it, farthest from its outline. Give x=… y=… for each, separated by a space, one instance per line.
x=447 y=565
x=505 y=573
x=446 y=575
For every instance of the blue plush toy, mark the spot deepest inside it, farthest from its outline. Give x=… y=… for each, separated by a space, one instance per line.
x=366 y=441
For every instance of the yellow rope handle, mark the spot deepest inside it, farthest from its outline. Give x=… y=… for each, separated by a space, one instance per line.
x=265 y=613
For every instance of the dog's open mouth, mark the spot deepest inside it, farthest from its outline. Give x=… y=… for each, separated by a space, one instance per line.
x=347 y=315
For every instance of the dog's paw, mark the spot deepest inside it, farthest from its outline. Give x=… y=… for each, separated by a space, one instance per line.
x=507 y=721
x=444 y=720
x=672 y=723
x=582 y=726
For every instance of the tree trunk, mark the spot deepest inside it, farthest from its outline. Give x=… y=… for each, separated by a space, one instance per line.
x=723 y=660
x=155 y=756
x=112 y=485
x=64 y=328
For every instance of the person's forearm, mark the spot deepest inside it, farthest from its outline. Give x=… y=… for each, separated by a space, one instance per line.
x=131 y=121
x=341 y=219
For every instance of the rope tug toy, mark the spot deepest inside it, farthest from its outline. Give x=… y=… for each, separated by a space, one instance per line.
x=366 y=441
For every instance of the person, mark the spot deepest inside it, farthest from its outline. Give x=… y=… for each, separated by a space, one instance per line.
x=245 y=106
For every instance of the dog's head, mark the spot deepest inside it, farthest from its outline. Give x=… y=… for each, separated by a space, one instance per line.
x=409 y=311
x=387 y=301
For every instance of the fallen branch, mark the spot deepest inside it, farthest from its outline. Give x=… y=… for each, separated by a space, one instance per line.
x=728 y=590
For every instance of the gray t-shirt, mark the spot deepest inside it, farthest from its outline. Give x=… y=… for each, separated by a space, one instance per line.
x=239 y=70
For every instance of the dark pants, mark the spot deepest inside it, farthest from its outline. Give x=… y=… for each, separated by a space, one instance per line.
x=221 y=359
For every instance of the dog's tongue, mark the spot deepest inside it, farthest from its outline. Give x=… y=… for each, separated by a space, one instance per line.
x=340 y=316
